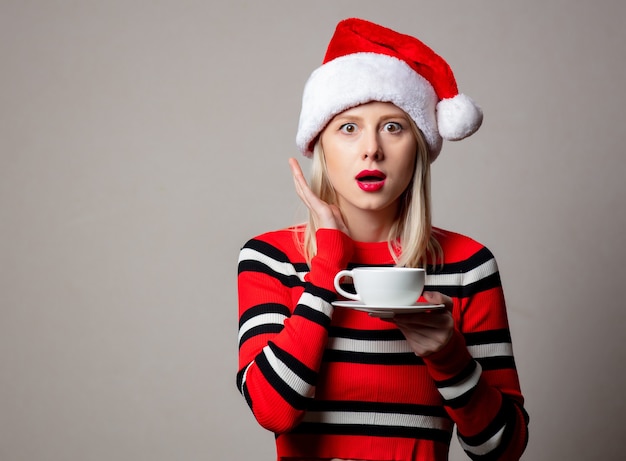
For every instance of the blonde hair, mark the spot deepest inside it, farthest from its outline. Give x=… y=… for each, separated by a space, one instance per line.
x=411 y=241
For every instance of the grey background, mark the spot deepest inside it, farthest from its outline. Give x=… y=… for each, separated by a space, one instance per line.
x=142 y=142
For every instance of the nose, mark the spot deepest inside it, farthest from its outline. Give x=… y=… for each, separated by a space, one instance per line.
x=372 y=148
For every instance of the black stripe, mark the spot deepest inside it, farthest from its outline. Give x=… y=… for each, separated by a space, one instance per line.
x=240 y=378
x=270 y=328
x=249 y=265
x=458 y=291
x=497 y=363
x=507 y=417
x=436 y=435
x=462 y=375
x=305 y=373
x=492 y=337
x=312 y=315
x=246 y=396
x=488 y=337
x=244 y=391
x=463 y=399
x=494 y=426
x=358 y=406
x=272 y=252
x=326 y=295
x=267 y=308
x=267 y=328
x=393 y=334
x=480 y=257
x=267 y=249
x=291 y=397
x=370 y=358
x=461 y=267
x=366 y=358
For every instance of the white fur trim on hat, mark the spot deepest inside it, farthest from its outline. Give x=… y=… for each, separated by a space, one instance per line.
x=359 y=78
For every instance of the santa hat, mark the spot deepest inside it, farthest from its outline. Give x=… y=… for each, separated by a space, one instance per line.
x=366 y=62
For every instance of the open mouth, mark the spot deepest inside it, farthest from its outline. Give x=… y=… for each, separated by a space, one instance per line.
x=371 y=181
x=370 y=176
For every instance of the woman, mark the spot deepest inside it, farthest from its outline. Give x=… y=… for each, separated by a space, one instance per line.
x=336 y=383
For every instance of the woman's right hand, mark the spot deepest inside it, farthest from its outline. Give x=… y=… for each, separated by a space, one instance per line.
x=327 y=216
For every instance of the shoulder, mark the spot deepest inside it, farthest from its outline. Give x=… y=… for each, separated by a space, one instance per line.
x=458 y=247
x=468 y=266
x=283 y=244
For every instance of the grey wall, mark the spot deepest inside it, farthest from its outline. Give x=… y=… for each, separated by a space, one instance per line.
x=142 y=142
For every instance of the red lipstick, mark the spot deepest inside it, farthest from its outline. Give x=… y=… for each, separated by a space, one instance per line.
x=371 y=180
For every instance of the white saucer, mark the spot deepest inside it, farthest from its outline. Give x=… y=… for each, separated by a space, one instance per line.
x=388 y=311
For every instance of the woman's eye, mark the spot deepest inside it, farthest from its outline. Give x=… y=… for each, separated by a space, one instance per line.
x=348 y=128
x=393 y=127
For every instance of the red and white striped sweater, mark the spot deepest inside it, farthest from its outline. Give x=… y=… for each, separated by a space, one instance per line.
x=337 y=383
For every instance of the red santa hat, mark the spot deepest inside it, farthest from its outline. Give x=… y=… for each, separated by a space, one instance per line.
x=366 y=62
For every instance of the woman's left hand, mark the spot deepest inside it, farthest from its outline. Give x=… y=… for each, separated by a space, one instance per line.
x=427 y=332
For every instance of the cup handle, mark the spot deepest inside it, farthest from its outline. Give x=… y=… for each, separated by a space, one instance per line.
x=341 y=291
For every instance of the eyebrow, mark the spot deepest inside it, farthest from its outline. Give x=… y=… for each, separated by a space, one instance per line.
x=347 y=117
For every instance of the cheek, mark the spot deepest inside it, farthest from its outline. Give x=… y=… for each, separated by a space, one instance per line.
x=407 y=180
x=336 y=169
x=332 y=169
x=409 y=169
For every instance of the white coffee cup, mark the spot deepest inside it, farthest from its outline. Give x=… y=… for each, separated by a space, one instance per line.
x=384 y=286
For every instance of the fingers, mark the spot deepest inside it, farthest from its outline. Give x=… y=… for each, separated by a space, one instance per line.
x=424 y=343
x=326 y=216
x=296 y=172
x=295 y=166
x=434 y=297
x=302 y=188
x=426 y=332
x=435 y=320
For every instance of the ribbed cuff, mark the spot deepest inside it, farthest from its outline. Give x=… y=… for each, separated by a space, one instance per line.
x=334 y=250
x=449 y=361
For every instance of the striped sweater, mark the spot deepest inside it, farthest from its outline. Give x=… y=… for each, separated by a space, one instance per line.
x=338 y=383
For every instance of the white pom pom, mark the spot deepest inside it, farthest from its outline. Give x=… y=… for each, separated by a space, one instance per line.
x=458 y=117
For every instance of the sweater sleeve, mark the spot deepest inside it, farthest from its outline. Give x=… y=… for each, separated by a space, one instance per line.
x=475 y=373
x=284 y=315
